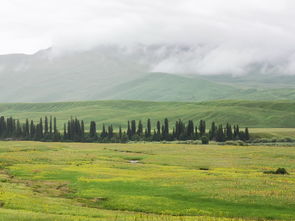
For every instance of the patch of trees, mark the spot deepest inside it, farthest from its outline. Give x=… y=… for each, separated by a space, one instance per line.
x=74 y=130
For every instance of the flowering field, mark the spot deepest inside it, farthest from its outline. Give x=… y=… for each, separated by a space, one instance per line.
x=145 y=181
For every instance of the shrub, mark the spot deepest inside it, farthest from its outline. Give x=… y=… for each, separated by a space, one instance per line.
x=205 y=140
x=280 y=171
x=204 y=168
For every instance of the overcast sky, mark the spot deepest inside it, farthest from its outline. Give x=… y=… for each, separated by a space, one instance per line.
x=242 y=30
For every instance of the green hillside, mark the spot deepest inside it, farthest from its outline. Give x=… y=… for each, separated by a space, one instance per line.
x=168 y=87
x=260 y=114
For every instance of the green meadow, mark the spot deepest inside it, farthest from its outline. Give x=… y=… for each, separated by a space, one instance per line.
x=253 y=114
x=145 y=181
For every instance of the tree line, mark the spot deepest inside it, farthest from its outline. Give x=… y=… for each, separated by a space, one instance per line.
x=74 y=130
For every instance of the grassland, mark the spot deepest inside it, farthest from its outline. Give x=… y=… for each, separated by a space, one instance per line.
x=75 y=181
x=273 y=132
x=254 y=114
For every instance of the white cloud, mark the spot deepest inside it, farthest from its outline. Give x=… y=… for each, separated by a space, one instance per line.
x=237 y=33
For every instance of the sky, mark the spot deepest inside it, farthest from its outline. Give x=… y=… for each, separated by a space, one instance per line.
x=242 y=32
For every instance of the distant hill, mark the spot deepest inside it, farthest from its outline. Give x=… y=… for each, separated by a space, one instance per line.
x=246 y=113
x=113 y=72
x=168 y=87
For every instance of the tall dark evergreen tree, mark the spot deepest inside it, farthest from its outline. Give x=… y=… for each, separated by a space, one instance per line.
x=202 y=127
x=129 y=130
x=103 y=132
x=18 y=129
x=27 y=129
x=54 y=126
x=220 y=134
x=190 y=130
x=158 y=128
x=133 y=128
x=149 y=128
x=41 y=128
x=140 y=129
x=120 y=132
x=92 y=132
x=65 y=132
x=213 y=131
x=50 y=126
x=82 y=129
x=110 y=132
x=228 y=132
x=46 y=125
x=247 y=136
x=166 y=129
x=32 y=130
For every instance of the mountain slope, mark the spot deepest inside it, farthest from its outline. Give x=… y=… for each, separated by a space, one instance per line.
x=167 y=87
x=113 y=72
x=245 y=113
x=46 y=76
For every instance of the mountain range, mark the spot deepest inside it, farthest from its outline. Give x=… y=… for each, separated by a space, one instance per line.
x=121 y=73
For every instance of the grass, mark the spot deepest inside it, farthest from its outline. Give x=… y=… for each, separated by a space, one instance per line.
x=76 y=181
x=273 y=132
x=253 y=114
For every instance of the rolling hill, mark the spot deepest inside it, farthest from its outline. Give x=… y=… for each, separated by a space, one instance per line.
x=259 y=114
x=113 y=72
x=168 y=87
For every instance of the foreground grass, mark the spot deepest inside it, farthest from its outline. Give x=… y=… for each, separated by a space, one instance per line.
x=74 y=181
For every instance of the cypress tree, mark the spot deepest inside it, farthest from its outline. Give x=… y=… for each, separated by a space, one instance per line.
x=65 y=132
x=140 y=129
x=41 y=128
x=120 y=132
x=158 y=128
x=50 y=126
x=190 y=130
x=213 y=131
x=247 y=136
x=32 y=130
x=103 y=132
x=202 y=127
x=18 y=129
x=82 y=129
x=133 y=128
x=129 y=130
x=149 y=128
x=166 y=129
x=93 y=133
x=110 y=132
x=2 y=126
x=27 y=129
x=46 y=125
x=220 y=134
x=54 y=126
x=229 y=133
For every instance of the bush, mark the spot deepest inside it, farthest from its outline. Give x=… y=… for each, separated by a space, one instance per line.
x=204 y=168
x=236 y=143
x=205 y=140
x=280 y=171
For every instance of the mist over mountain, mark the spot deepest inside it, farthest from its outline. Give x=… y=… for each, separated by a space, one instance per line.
x=142 y=72
x=163 y=50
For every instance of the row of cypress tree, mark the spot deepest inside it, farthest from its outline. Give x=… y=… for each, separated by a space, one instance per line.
x=74 y=130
